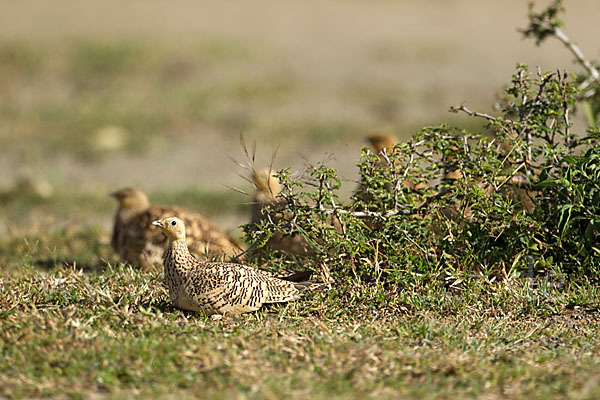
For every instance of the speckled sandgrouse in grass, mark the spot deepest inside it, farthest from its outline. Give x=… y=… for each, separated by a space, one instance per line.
x=216 y=287
x=138 y=242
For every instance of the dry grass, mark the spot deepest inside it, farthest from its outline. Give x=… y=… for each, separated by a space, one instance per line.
x=112 y=331
x=75 y=322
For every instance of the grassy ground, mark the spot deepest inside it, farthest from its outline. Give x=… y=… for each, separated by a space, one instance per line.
x=75 y=322
x=112 y=331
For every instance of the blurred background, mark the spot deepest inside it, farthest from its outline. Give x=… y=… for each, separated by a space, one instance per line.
x=98 y=95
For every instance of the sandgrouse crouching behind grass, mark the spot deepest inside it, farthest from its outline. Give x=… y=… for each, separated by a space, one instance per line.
x=140 y=243
x=215 y=287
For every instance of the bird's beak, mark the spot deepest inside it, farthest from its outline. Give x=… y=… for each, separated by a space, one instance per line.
x=113 y=194
x=157 y=223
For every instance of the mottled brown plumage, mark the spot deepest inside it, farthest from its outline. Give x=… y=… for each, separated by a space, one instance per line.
x=138 y=242
x=267 y=189
x=382 y=142
x=215 y=287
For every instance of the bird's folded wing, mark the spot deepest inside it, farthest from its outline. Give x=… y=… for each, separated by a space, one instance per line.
x=242 y=288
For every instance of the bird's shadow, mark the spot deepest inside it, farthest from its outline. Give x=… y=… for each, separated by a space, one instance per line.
x=163 y=305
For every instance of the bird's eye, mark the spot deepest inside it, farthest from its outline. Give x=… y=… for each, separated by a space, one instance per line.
x=173 y=223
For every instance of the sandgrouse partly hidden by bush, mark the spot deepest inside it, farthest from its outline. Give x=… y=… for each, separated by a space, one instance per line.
x=265 y=201
x=138 y=242
x=385 y=143
x=382 y=142
x=267 y=189
x=216 y=287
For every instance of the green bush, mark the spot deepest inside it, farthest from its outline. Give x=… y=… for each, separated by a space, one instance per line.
x=526 y=199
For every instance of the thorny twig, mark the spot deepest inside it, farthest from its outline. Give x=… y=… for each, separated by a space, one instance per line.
x=544 y=24
x=594 y=74
x=336 y=213
x=397 y=182
x=464 y=109
x=414 y=149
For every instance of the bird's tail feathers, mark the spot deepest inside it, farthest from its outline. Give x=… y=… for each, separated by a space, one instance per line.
x=308 y=286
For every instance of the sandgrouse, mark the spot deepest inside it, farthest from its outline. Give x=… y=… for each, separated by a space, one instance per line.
x=382 y=142
x=266 y=202
x=267 y=189
x=216 y=287
x=138 y=242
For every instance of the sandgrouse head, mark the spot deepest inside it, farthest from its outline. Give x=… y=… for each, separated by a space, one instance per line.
x=266 y=182
x=172 y=227
x=382 y=141
x=131 y=198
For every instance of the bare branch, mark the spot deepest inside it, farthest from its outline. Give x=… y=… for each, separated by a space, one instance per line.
x=560 y=35
x=367 y=214
x=478 y=114
x=544 y=24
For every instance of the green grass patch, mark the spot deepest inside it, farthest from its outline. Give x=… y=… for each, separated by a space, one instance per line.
x=112 y=331
x=76 y=322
